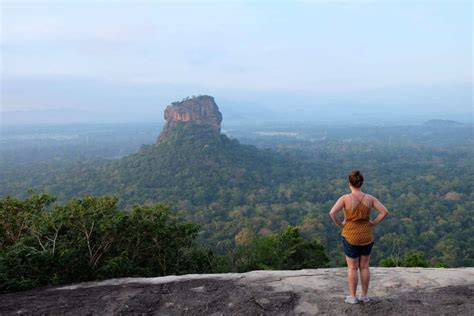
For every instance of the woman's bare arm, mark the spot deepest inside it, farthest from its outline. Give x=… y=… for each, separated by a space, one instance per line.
x=336 y=209
x=382 y=211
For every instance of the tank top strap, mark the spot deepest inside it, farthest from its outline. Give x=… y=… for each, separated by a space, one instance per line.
x=354 y=205
x=358 y=201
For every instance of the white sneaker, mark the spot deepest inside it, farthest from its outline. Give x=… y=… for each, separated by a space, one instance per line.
x=351 y=300
x=364 y=299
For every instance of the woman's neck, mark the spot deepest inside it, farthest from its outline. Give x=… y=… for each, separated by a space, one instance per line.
x=355 y=190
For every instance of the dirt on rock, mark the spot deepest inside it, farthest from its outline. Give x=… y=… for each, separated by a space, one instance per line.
x=188 y=297
x=303 y=292
x=450 y=300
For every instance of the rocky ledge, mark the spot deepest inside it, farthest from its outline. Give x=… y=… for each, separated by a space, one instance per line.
x=393 y=291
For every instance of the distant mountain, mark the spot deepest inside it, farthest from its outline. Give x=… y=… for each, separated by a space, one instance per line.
x=191 y=161
x=442 y=123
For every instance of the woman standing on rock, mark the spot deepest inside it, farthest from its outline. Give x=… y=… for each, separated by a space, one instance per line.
x=357 y=233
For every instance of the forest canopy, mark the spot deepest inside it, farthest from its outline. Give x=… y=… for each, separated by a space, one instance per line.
x=235 y=191
x=46 y=243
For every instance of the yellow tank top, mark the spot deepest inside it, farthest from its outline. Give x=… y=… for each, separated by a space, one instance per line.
x=358 y=230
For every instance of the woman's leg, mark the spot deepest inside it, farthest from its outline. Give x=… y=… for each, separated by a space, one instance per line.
x=364 y=274
x=352 y=267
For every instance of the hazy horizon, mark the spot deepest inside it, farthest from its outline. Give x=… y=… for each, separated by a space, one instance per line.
x=109 y=62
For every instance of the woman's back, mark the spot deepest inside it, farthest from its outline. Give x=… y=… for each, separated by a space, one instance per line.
x=358 y=229
x=357 y=232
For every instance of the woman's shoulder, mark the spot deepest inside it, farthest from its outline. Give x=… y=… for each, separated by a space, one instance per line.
x=345 y=196
x=369 y=198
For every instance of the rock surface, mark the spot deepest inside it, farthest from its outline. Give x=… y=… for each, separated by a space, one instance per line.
x=393 y=291
x=201 y=110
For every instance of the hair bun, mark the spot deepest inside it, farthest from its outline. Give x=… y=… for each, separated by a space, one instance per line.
x=356 y=178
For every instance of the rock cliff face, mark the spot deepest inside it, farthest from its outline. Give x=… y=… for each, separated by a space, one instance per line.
x=201 y=110
x=393 y=291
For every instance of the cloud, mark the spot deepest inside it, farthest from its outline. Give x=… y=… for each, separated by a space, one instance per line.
x=308 y=48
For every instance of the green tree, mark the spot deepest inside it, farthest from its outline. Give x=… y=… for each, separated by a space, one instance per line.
x=415 y=259
x=284 y=251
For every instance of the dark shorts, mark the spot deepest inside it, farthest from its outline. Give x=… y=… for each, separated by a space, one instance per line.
x=355 y=251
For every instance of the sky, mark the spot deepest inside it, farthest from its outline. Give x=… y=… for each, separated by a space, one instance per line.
x=114 y=61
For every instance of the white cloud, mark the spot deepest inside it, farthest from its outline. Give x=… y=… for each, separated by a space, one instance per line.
x=314 y=48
